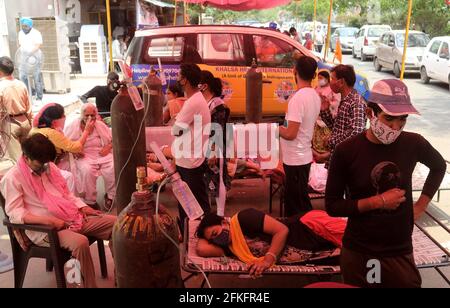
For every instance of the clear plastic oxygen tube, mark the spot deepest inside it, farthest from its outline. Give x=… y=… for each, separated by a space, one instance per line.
x=179 y=188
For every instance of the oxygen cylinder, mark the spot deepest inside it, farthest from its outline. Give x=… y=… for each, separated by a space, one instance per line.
x=125 y=123
x=143 y=256
x=153 y=99
x=253 y=99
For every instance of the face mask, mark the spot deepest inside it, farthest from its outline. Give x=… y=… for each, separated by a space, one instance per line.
x=323 y=83
x=335 y=87
x=202 y=87
x=26 y=30
x=89 y=117
x=59 y=124
x=223 y=239
x=180 y=85
x=41 y=170
x=382 y=132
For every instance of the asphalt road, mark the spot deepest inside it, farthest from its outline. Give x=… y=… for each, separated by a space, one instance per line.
x=432 y=101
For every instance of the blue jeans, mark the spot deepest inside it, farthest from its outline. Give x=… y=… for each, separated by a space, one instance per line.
x=38 y=82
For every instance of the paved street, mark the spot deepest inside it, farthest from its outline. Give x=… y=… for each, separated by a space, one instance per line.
x=432 y=101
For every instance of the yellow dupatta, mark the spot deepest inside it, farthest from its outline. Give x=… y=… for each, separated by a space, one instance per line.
x=238 y=244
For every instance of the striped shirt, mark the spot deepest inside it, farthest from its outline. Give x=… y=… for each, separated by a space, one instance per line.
x=350 y=119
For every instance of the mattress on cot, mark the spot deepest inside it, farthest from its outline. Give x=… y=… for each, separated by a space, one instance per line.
x=295 y=261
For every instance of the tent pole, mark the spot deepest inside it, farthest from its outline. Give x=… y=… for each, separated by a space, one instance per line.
x=327 y=44
x=315 y=18
x=175 y=14
x=184 y=12
x=405 y=43
x=108 y=16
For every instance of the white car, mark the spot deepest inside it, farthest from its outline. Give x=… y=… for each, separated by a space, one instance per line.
x=389 y=52
x=346 y=36
x=436 y=60
x=366 y=39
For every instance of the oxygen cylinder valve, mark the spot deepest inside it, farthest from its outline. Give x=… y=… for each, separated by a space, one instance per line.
x=142 y=184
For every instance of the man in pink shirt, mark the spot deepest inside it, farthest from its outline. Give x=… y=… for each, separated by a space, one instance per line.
x=36 y=193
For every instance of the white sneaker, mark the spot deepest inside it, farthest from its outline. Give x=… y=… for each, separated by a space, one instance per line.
x=6 y=263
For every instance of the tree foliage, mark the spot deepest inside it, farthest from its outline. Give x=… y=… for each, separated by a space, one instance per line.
x=430 y=16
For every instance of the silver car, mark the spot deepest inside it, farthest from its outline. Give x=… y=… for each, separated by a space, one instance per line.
x=389 y=51
x=346 y=36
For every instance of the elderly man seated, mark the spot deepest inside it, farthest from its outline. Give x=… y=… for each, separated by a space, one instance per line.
x=97 y=158
x=36 y=193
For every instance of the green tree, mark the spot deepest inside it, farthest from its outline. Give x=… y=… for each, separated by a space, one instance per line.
x=430 y=16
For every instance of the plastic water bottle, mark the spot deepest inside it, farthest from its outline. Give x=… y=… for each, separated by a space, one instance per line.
x=180 y=189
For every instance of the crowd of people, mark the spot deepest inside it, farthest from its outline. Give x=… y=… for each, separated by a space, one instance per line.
x=50 y=170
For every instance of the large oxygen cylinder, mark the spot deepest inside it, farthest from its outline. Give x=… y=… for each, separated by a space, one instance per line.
x=125 y=123
x=253 y=99
x=153 y=99
x=144 y=257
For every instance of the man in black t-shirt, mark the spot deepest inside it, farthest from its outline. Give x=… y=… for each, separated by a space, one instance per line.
x=374 y=170
x=104 y=95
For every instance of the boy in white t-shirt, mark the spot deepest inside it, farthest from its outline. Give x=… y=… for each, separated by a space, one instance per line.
x=295 y=141
x=193 y=119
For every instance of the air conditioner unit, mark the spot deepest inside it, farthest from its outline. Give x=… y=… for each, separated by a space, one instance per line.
x=93 y=51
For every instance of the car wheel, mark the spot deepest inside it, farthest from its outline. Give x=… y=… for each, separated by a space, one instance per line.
x=377 y=65
x=397 y=70
x=363 y=56
x=353 y=53
x=424 y=76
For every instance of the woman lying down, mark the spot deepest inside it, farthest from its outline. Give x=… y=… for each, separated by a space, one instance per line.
x=314 y=231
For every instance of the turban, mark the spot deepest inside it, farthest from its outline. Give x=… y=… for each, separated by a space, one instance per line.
x=26 y=21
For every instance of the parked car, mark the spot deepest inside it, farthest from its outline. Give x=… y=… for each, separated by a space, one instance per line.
x=346 y=36
x=227 y=52
x=436 y=60
x=389 y=51
x=366 y=39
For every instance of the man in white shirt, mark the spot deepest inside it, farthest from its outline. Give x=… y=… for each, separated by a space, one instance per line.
x=192 y=130
x=295 y=142
x=36 y=193
x=30 y=42
x=117 y=47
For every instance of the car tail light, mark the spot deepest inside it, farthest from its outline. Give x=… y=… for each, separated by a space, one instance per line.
x=366 y=42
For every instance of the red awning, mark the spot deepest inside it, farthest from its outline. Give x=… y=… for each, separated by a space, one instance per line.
x=241 y=5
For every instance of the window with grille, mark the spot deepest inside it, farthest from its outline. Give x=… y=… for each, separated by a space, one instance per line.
x=90 y=52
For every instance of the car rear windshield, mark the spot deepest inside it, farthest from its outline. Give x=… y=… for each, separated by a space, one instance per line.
x=348 y=32
x=414 y=40
x=377 y=32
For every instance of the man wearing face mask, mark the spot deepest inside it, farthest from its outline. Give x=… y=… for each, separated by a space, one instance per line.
x=30 y=42
x=350 y=119
x=104 y=95
x=36 y=193
x=374 y=170
x=96 y=158
x=192 y=130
